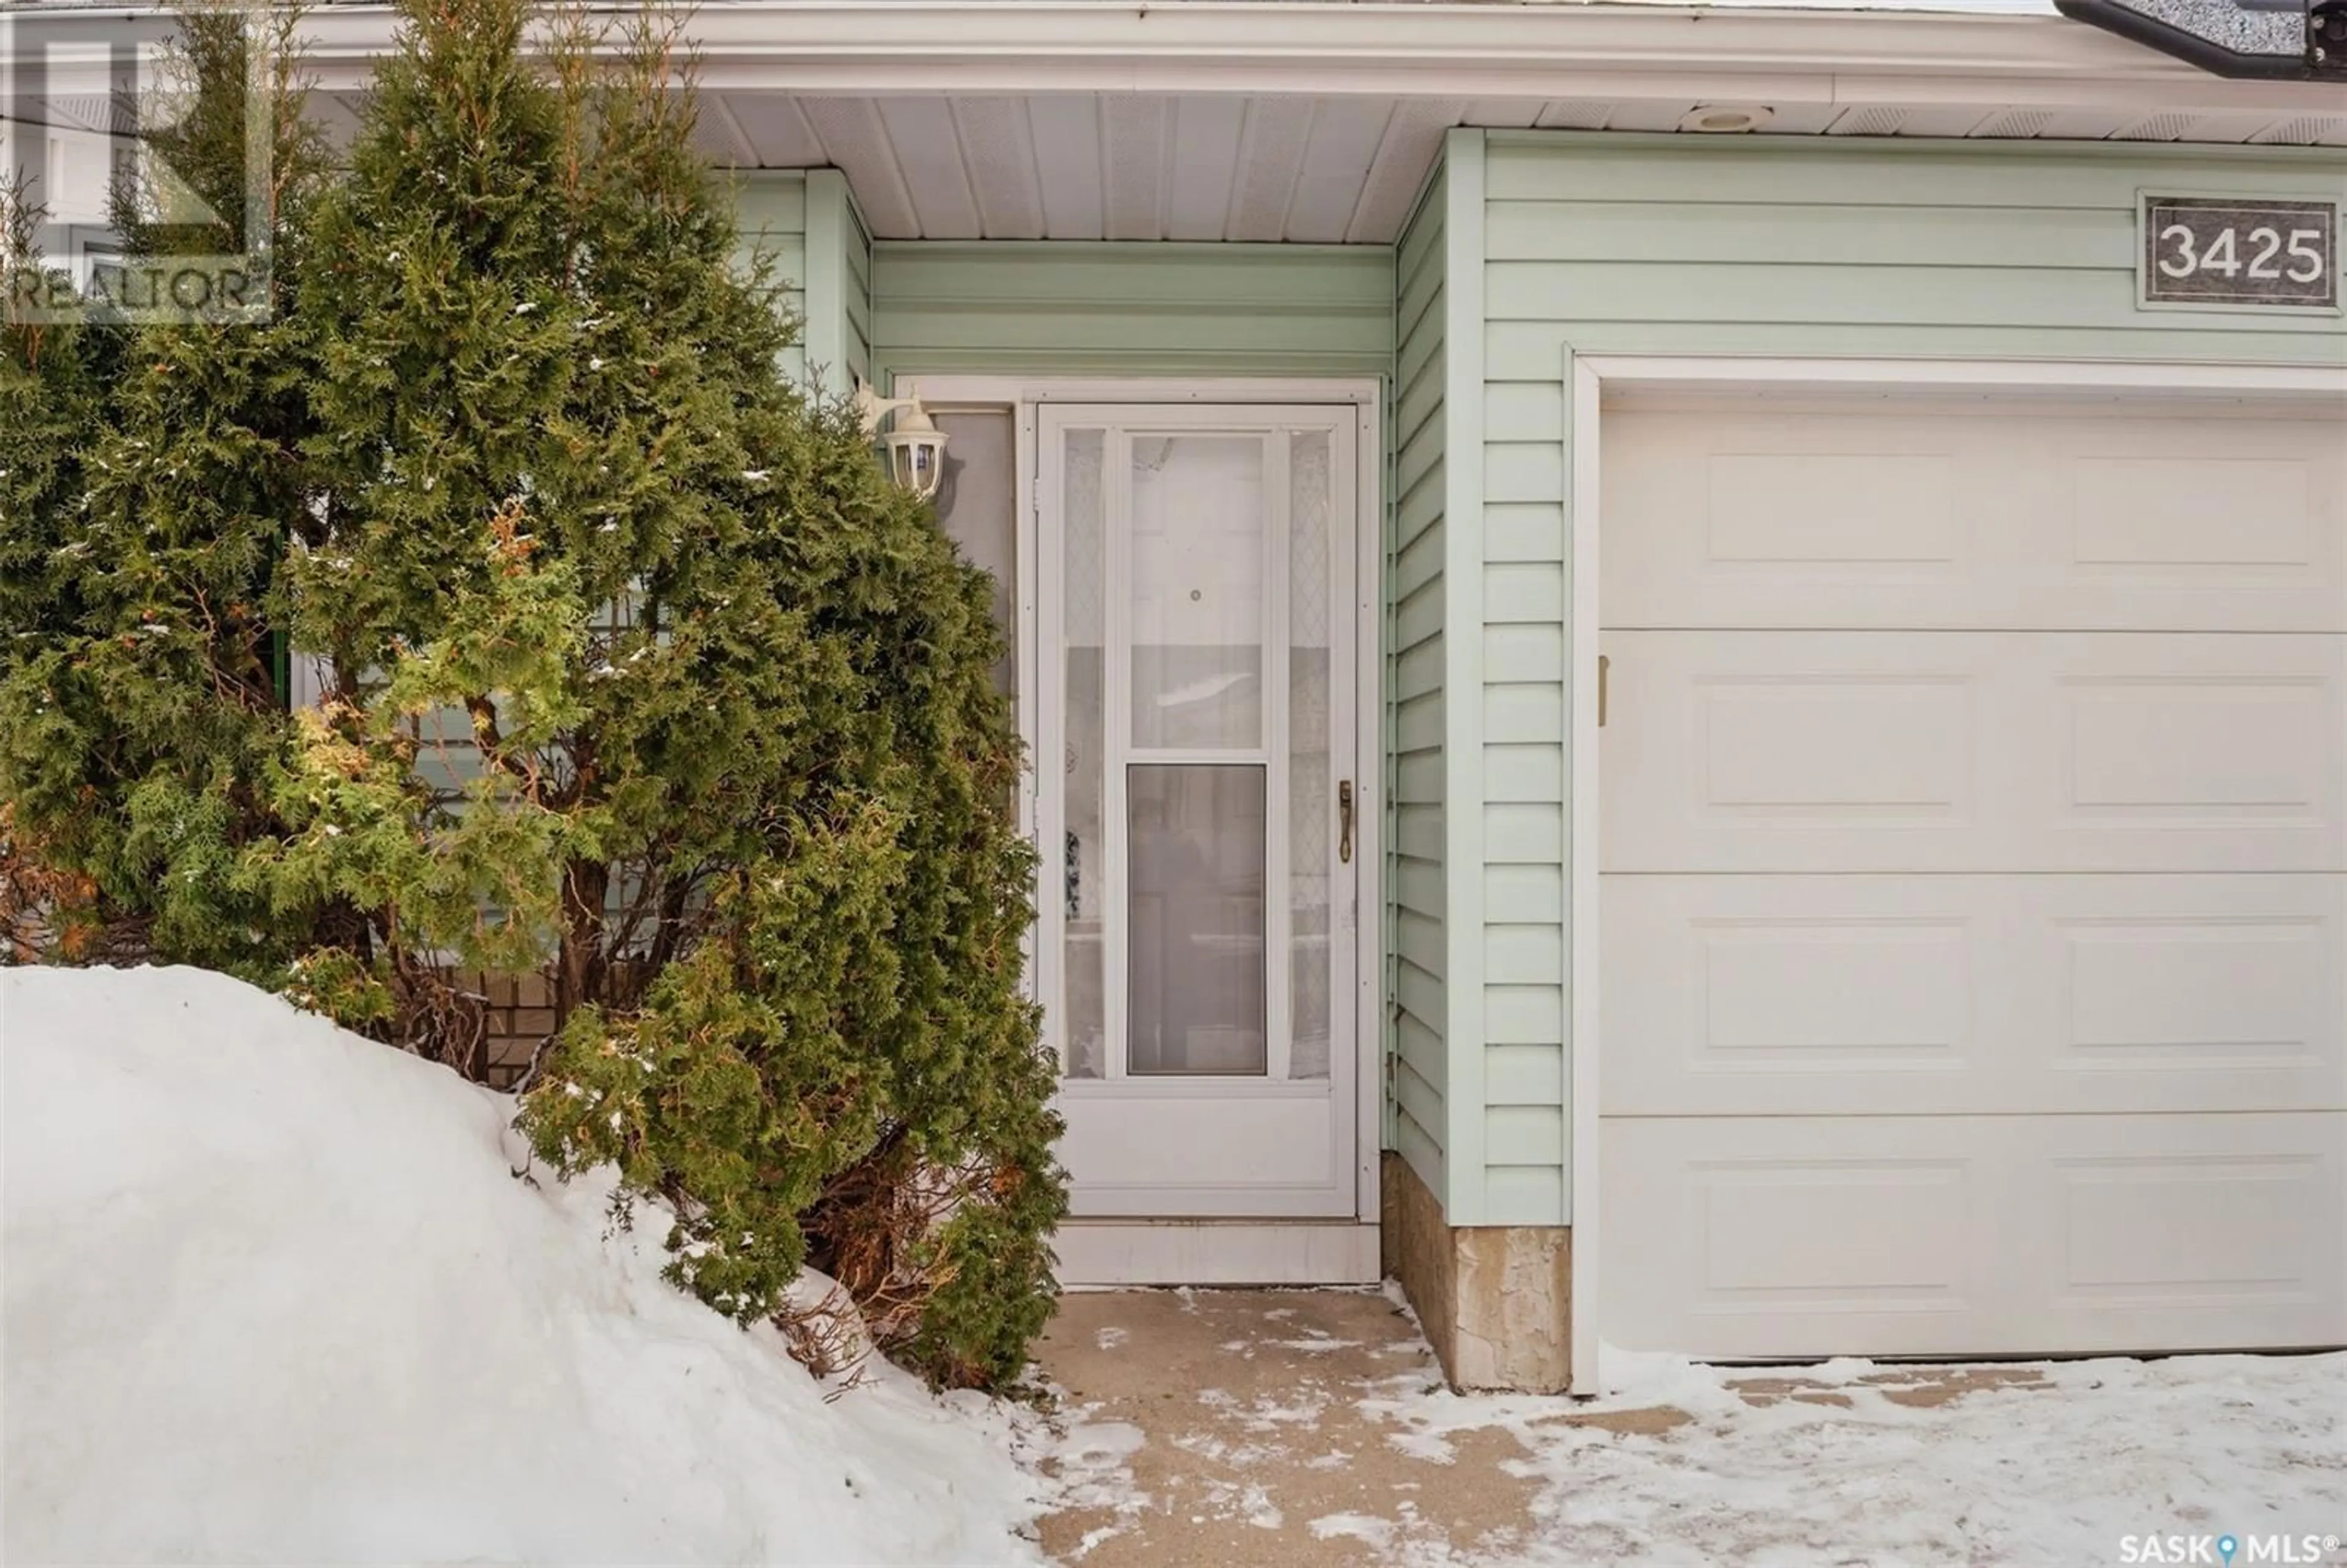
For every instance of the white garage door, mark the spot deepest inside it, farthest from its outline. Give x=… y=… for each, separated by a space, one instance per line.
x=1975 y=878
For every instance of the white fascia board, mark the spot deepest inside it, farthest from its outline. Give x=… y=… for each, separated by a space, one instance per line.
x=1453 y=50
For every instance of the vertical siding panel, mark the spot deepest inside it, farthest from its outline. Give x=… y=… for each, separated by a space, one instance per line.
x=826 y=282
x=839 y=284
x=856 y=346
x=1417 y=885
x=1464 y=1194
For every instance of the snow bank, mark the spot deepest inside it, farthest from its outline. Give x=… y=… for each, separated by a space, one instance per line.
x=272 y=1295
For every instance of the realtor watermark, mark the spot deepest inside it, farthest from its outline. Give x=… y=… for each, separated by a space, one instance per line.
x=2224 y=1549
x=83 y=95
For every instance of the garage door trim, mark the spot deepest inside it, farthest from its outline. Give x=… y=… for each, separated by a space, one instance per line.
x=1591 y=378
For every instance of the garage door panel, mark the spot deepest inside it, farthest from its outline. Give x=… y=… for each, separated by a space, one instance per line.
x=2219 y=522
x=2124 y=1220
x=1894 y=994
x=1971 y=751
x=2195 y=748
x=1760 y=1236
x=1973 y=878
x=2052 y=520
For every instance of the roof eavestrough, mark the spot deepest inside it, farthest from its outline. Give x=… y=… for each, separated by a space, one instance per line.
x=1266 y=46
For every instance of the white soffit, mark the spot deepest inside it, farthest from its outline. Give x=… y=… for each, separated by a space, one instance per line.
x=1316 y=121
x=1323 y=170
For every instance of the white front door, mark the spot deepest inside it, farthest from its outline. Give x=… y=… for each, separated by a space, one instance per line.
x=1196 y=805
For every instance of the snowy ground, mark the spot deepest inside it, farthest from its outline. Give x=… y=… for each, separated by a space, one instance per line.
x=2066 y=1464
x=1309 y=1427
x=271 y=1295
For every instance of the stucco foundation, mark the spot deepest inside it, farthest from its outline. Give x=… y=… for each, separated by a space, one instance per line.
x=1491 y=1298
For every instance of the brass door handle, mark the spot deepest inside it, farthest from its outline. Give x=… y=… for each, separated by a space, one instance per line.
x=1345 y=821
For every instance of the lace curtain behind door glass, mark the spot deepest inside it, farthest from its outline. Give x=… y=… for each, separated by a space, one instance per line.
x=1193 y=596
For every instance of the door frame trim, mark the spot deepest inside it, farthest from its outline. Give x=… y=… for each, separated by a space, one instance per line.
x=1023 y=395
x=1589 y=378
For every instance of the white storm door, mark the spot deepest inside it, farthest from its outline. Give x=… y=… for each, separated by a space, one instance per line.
x=1195 y=803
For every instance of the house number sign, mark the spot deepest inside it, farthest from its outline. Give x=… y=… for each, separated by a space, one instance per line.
x=2240 y=251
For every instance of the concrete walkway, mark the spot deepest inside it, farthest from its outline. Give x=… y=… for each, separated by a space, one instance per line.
x=1239 y=1427
x=1221 y=1427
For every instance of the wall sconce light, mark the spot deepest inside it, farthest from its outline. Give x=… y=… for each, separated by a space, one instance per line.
x=916 y=448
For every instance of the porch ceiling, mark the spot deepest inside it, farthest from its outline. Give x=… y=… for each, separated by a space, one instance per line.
x=1301 y=169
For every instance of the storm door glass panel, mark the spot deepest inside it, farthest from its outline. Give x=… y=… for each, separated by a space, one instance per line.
x=1198 y=564
x=1196 y=975
x=1311 y=811
x=1084 y=848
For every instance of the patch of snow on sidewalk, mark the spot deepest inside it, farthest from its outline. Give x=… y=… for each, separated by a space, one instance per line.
x=2058 y=1474
x=1090 y=1466
x=273 y=1294
x=1364 y=1527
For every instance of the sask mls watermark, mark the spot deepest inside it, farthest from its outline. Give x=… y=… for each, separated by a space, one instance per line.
x=89 y=105
x=2226 y=1550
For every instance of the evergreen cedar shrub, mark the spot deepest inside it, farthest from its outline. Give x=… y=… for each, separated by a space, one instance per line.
x=636 y=673
x=143 y=497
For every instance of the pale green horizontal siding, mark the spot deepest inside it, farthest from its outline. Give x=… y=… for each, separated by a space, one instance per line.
x=1416 y=891
x=1509 y=915
x=772 y=213
x=839 y=284
x=806 y=221
x=1774 y=246
x=1131 y=309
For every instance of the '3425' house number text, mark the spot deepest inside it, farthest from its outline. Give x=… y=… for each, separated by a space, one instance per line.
x=2222 y=250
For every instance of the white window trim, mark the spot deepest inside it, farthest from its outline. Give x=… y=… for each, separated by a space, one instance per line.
x=1024 y=395
x=1591 y=378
